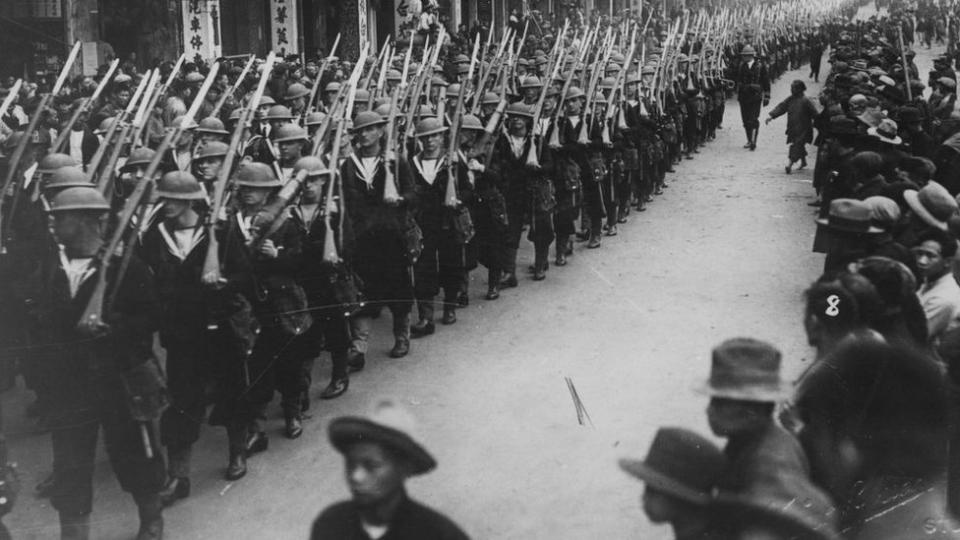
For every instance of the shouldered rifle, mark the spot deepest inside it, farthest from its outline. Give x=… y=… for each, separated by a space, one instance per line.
x=322 y=69
x=233 y=88
x=61 y=139
x=11 y=95
x=211 y=274
x=450 y=198
x=13 y=164
x=117 y=122
x=91 y=322
x=330 y=253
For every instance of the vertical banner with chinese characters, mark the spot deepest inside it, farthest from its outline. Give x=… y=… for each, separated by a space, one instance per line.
x=284 y=37
x=201 y=29
x=362 y=19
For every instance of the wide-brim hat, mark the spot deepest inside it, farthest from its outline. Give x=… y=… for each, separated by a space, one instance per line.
x=933 y=204
x=389 y=425
x=884 y=137
x=680 y=463
x=745 y=369
x=850 y=215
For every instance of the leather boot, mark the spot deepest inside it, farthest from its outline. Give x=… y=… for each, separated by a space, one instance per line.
x=753 y=139
x=293 y=427
x=424 y=326
x=594 y=240
x=74 y=527
x=541 y=254
x=449 y=313
x=509 y=278
x=150 y=509
x=175 y=489
x=561 y=249
x=237 y=468
x=493 y=284
x=749 y=137
x=401 y=335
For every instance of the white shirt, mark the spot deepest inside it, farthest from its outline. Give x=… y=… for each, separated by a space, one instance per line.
x=182 y=241
x=516 y=144
x=76 y=145
x=941 y=304
x=77 y=271
x=428 y=168
x=367 y=167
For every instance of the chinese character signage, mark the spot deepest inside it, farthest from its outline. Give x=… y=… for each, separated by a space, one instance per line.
x=284 y=37
x=201 y=29
x=362 y=19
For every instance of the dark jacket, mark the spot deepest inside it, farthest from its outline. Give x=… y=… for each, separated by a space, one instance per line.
x=413 y=521
x=801 y=113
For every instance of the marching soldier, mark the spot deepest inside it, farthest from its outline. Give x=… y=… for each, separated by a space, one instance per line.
x=383 y=229
x=102 y=375
x=199 y=323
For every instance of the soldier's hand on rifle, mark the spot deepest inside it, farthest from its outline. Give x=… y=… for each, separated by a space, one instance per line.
x=213 y=280
x=475 y=165
x=269 y=249
x=94 y=329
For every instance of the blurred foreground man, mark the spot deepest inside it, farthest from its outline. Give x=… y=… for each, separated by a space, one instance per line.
x=380 y=453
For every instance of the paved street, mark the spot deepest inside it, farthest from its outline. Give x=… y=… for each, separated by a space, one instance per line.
x=724 y=252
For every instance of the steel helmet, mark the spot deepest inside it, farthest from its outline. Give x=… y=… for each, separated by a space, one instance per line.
x=383 y=110
x=212 y=149
x=470 y=121
x=182 y=121
x=312 y=164
x=519 y=109
x=362 y=95
x=430 y=126
x=393 y=75
x=461 y=59
x=295 y=91
x=64 y=177
x=85 y=198
x=748 y=50
x=212 y=124
x=439 y=81
x=608 y=82
x=139 y=156
x=574 y=92
x=256 y=174
x=278 y=112
x=531 y=82
x=54 y=161
x=181 y=186
x=105 y=125
x=490 y=98
x=366 y=119
x=314 y=119
x=332 y=87
x=290 y=133
x=453 y=91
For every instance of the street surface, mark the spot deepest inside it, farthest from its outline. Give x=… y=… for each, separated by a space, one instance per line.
x=724 y=252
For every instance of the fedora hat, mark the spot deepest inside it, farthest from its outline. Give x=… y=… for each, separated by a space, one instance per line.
x=389 y=425
x=850 y=215
x=871 y=117
x=886 y=131
x=859 y=65
x=933 y=203
x=681 y=464
x=745 y=369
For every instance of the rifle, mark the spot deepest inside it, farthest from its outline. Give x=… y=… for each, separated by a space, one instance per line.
x=330 y=253
x=158 y=94
x=236 y=84
x=108 y=136
x=382 y=60
x=211 y=274
x=482 y=86
x=91 y=322
x=450 y=198
x=58 y=143
x=11 y=95
x=532 y=158
x=25 y=139
x=323 y=67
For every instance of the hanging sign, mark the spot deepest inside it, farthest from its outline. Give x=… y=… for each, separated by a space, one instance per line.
x=284 y=38
x=201 y=29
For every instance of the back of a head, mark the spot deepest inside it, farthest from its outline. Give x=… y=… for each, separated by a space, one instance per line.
x=890 y=401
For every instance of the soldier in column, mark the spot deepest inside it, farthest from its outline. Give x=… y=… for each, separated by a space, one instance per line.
x=440 y=265
x=382 y=228
x=571 y=166
x=104 y=374
x=196 y=319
